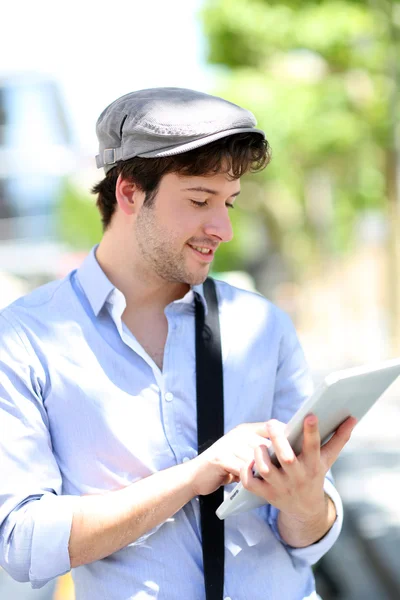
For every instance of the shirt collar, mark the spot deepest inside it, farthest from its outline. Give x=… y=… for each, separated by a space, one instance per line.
x=94 y=282
x=98 y=288
x=189 y=297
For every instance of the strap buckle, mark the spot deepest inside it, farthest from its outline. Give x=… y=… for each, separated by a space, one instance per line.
x=109 y=157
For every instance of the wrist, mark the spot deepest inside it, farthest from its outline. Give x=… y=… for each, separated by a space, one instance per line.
x=307 y=527
x=317 y=509
x=190 y=477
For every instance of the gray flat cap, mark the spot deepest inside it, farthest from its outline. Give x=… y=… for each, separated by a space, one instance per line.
x=166 y=121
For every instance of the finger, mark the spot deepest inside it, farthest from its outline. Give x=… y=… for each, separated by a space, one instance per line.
x=231 y=479
x=263 y=465
x=260 y=429
x=283 y=449
x=311 y=442
x=331 y=450
x=252 y=483
x=258 y=440
x=245 y=453
x=232 y=464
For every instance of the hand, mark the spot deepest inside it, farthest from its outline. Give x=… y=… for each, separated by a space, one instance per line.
x=222 y=462
x=297 y=487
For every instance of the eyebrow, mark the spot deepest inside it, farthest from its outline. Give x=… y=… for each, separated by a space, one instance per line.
x=209 y=191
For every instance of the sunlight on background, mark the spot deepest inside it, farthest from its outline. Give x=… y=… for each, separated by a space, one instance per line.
x=98 y=51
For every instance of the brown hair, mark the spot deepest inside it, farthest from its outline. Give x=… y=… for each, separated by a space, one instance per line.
x=237 y=154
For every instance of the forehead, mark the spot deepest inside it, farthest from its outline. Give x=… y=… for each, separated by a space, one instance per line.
x=216 y=184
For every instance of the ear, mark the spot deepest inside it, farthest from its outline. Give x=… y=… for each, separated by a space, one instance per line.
x=127 y=195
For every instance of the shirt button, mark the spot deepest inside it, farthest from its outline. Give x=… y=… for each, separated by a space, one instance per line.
x=228 y=598
x=169 y=396
x=185 y=459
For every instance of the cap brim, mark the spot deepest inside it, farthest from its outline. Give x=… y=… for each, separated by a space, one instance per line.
x=179 y=149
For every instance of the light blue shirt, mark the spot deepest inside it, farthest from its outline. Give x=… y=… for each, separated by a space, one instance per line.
x=85 y=410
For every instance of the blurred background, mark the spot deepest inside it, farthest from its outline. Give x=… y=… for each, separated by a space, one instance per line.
x=317 y=232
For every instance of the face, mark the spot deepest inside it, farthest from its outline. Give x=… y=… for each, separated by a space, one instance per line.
x=180 y=232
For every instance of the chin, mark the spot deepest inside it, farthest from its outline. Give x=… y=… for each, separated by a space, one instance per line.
x=197 y=278
x=200 y=280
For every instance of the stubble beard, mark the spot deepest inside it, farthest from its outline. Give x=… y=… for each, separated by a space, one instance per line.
x=156 y=247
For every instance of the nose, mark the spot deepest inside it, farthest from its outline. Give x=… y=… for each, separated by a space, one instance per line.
x=219 y=225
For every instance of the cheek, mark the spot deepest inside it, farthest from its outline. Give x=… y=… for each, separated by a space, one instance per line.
x=180 y=221
x=187 y=223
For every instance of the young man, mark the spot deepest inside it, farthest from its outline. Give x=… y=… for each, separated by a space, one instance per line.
x=100 y=470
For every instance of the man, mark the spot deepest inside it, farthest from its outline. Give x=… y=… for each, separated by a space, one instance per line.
x=100 y=470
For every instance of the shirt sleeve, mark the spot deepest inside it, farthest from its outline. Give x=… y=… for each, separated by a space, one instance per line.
x=293 y=386
x=35 y=520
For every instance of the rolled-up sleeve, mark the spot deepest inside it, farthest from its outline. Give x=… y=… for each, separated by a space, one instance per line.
x=293 y=386
x=35 y=520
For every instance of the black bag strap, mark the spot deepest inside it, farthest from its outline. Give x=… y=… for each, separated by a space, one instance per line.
x=210 y=427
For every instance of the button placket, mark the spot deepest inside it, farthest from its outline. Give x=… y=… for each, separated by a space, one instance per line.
x=171 y=400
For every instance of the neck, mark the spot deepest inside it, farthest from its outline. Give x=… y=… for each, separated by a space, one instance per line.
x=141 y=287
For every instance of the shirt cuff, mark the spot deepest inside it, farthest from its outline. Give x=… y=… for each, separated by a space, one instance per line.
x=52 y=528
x=311 y=554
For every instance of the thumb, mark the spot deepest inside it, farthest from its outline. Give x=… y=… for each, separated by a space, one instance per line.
x=230 y=478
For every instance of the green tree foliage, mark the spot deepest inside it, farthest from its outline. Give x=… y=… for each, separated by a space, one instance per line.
x=320 y=77
x=78 y=219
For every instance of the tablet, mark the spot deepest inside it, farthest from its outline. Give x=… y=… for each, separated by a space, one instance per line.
x=351 y=392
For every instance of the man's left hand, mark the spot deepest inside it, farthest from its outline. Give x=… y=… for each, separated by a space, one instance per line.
x=297 y=488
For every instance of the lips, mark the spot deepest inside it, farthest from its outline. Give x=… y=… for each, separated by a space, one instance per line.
x=200 y=252
x=202 y=249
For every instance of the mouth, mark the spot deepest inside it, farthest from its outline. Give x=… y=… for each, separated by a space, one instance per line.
x=205 y=254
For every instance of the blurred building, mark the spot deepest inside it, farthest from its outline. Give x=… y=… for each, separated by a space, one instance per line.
x=36 y=154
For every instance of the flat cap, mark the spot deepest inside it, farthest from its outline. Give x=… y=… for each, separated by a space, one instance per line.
x=166 y=121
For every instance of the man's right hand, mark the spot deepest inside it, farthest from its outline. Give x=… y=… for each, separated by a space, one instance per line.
x=220 y=464
x=103 y=524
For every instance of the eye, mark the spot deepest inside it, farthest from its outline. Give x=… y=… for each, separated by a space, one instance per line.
x=205 y=203
x=199 y=204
